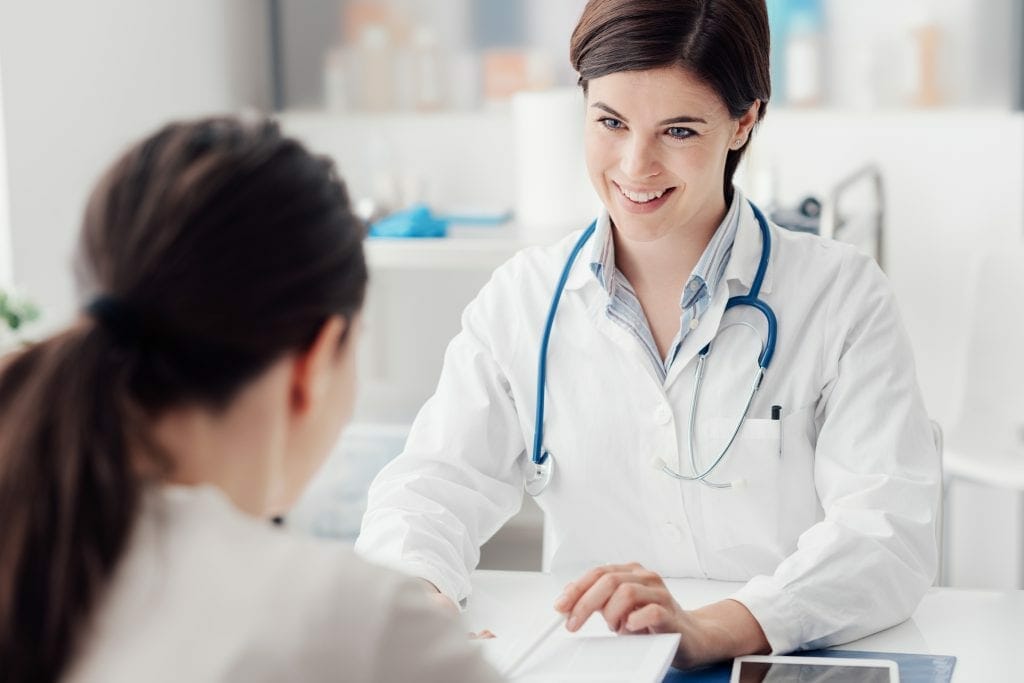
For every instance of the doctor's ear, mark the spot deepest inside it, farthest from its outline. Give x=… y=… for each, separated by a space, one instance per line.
x=313 y=369
x=745 y=124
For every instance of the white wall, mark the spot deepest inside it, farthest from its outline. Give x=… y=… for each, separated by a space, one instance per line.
x=81 y=80
x=954 y=182
x=6 y=267
x=953 y=179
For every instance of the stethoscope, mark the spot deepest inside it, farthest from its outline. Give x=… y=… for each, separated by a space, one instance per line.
x=542 y=462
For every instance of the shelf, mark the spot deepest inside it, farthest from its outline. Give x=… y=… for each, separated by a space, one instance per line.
x=502 y=115
x=445 y=253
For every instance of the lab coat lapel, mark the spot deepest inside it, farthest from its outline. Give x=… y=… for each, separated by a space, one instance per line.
x=585 y=284
x=625 y=340
x=700 y=337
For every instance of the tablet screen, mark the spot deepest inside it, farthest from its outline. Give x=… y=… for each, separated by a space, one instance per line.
x=817 y=671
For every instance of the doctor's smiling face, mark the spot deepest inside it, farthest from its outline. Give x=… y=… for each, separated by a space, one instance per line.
x=656 y=146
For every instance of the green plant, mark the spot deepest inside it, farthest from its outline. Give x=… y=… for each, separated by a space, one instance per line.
x=16 y=311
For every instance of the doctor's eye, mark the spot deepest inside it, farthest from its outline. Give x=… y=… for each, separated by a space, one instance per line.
x=680 y=133
x=610 y=123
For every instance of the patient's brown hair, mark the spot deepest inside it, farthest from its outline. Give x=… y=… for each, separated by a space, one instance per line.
x=207 y=251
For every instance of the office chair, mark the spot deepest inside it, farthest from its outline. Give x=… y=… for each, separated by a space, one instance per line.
x=941 y=542
x=986 y=442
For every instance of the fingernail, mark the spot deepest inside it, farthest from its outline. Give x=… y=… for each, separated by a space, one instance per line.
x=561 y=600
x=573 y=623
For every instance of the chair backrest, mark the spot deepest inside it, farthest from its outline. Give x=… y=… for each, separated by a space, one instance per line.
x=992 y=412
x=940 y=514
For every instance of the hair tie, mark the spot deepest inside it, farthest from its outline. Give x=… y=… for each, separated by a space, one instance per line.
x=117 y=318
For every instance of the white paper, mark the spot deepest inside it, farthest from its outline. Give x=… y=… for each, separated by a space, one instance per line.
x=600 y=659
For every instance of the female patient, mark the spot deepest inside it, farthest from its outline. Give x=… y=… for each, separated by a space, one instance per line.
x=142 y=448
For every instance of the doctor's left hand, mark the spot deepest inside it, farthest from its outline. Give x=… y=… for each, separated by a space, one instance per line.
x=634 y=600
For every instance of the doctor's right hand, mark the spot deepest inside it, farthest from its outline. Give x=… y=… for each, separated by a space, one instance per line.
x=439 y=598
x=446 y=604
x=634 y=600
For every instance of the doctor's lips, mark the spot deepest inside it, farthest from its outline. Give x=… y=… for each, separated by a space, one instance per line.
x=644 y=199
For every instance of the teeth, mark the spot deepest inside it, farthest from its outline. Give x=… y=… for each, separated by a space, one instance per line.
x=641 y=197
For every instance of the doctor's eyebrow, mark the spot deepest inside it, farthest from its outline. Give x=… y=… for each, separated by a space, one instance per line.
x=674 y=119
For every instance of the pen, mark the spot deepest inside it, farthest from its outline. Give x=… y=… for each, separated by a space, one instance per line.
x=518 y=658
x=777 y=416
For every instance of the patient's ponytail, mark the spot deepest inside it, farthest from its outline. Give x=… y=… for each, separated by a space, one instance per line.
x=208 y=251
x=68 y=495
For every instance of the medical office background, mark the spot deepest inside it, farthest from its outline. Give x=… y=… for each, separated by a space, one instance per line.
x=901 y=118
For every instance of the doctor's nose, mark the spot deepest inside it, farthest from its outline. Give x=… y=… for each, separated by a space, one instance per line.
x=639 y=159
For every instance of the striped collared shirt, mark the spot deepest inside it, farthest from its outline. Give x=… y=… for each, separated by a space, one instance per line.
x=623 y=305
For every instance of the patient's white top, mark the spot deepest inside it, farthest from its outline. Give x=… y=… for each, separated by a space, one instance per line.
x=207 y=593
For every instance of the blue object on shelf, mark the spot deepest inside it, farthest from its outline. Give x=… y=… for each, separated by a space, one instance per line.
x=416 y=221
x=419 y=221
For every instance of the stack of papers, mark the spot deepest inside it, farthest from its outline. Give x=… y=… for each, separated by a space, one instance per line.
x=582 y=656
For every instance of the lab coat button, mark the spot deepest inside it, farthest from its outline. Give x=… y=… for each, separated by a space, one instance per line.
x=672 y=531
x=663 y=414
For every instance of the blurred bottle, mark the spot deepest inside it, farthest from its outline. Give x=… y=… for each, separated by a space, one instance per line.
x=803 y=53
x=906 y=68
x=777 y=13
x=926 y=41
x=336 y=80
x=508 y=71
x=374 y=64
x=426 y=70
x=464 y=81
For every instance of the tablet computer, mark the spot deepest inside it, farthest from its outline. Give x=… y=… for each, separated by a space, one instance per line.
x=768 y=669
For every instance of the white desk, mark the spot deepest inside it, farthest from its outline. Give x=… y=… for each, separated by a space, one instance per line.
x=984 y=630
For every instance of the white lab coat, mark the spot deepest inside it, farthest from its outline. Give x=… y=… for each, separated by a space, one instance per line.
x=834 y=529
x=206 y=593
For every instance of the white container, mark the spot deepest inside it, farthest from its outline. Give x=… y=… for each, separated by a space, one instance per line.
x=803 y=63
x=553 y=192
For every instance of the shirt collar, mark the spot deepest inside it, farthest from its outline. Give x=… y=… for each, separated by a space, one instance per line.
x=583 y=274
x=602 y=253
x=708 y=273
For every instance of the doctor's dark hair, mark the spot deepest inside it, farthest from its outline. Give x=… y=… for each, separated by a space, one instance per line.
x=724 y=43
x=209 y=250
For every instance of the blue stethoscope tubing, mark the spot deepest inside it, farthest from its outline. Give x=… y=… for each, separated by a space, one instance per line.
x=542 y=462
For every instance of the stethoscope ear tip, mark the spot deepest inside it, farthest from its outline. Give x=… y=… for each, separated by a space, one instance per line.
x=740 y=483
x=657 y=463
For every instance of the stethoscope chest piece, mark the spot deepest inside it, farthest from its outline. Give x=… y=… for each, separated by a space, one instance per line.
x=539 y=475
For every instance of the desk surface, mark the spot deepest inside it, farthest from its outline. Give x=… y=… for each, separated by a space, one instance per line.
x=984 y=630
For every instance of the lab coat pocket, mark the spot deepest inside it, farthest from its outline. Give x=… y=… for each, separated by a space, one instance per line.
x=743 y=521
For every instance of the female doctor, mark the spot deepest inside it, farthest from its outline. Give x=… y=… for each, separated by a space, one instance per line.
x=722 y=398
